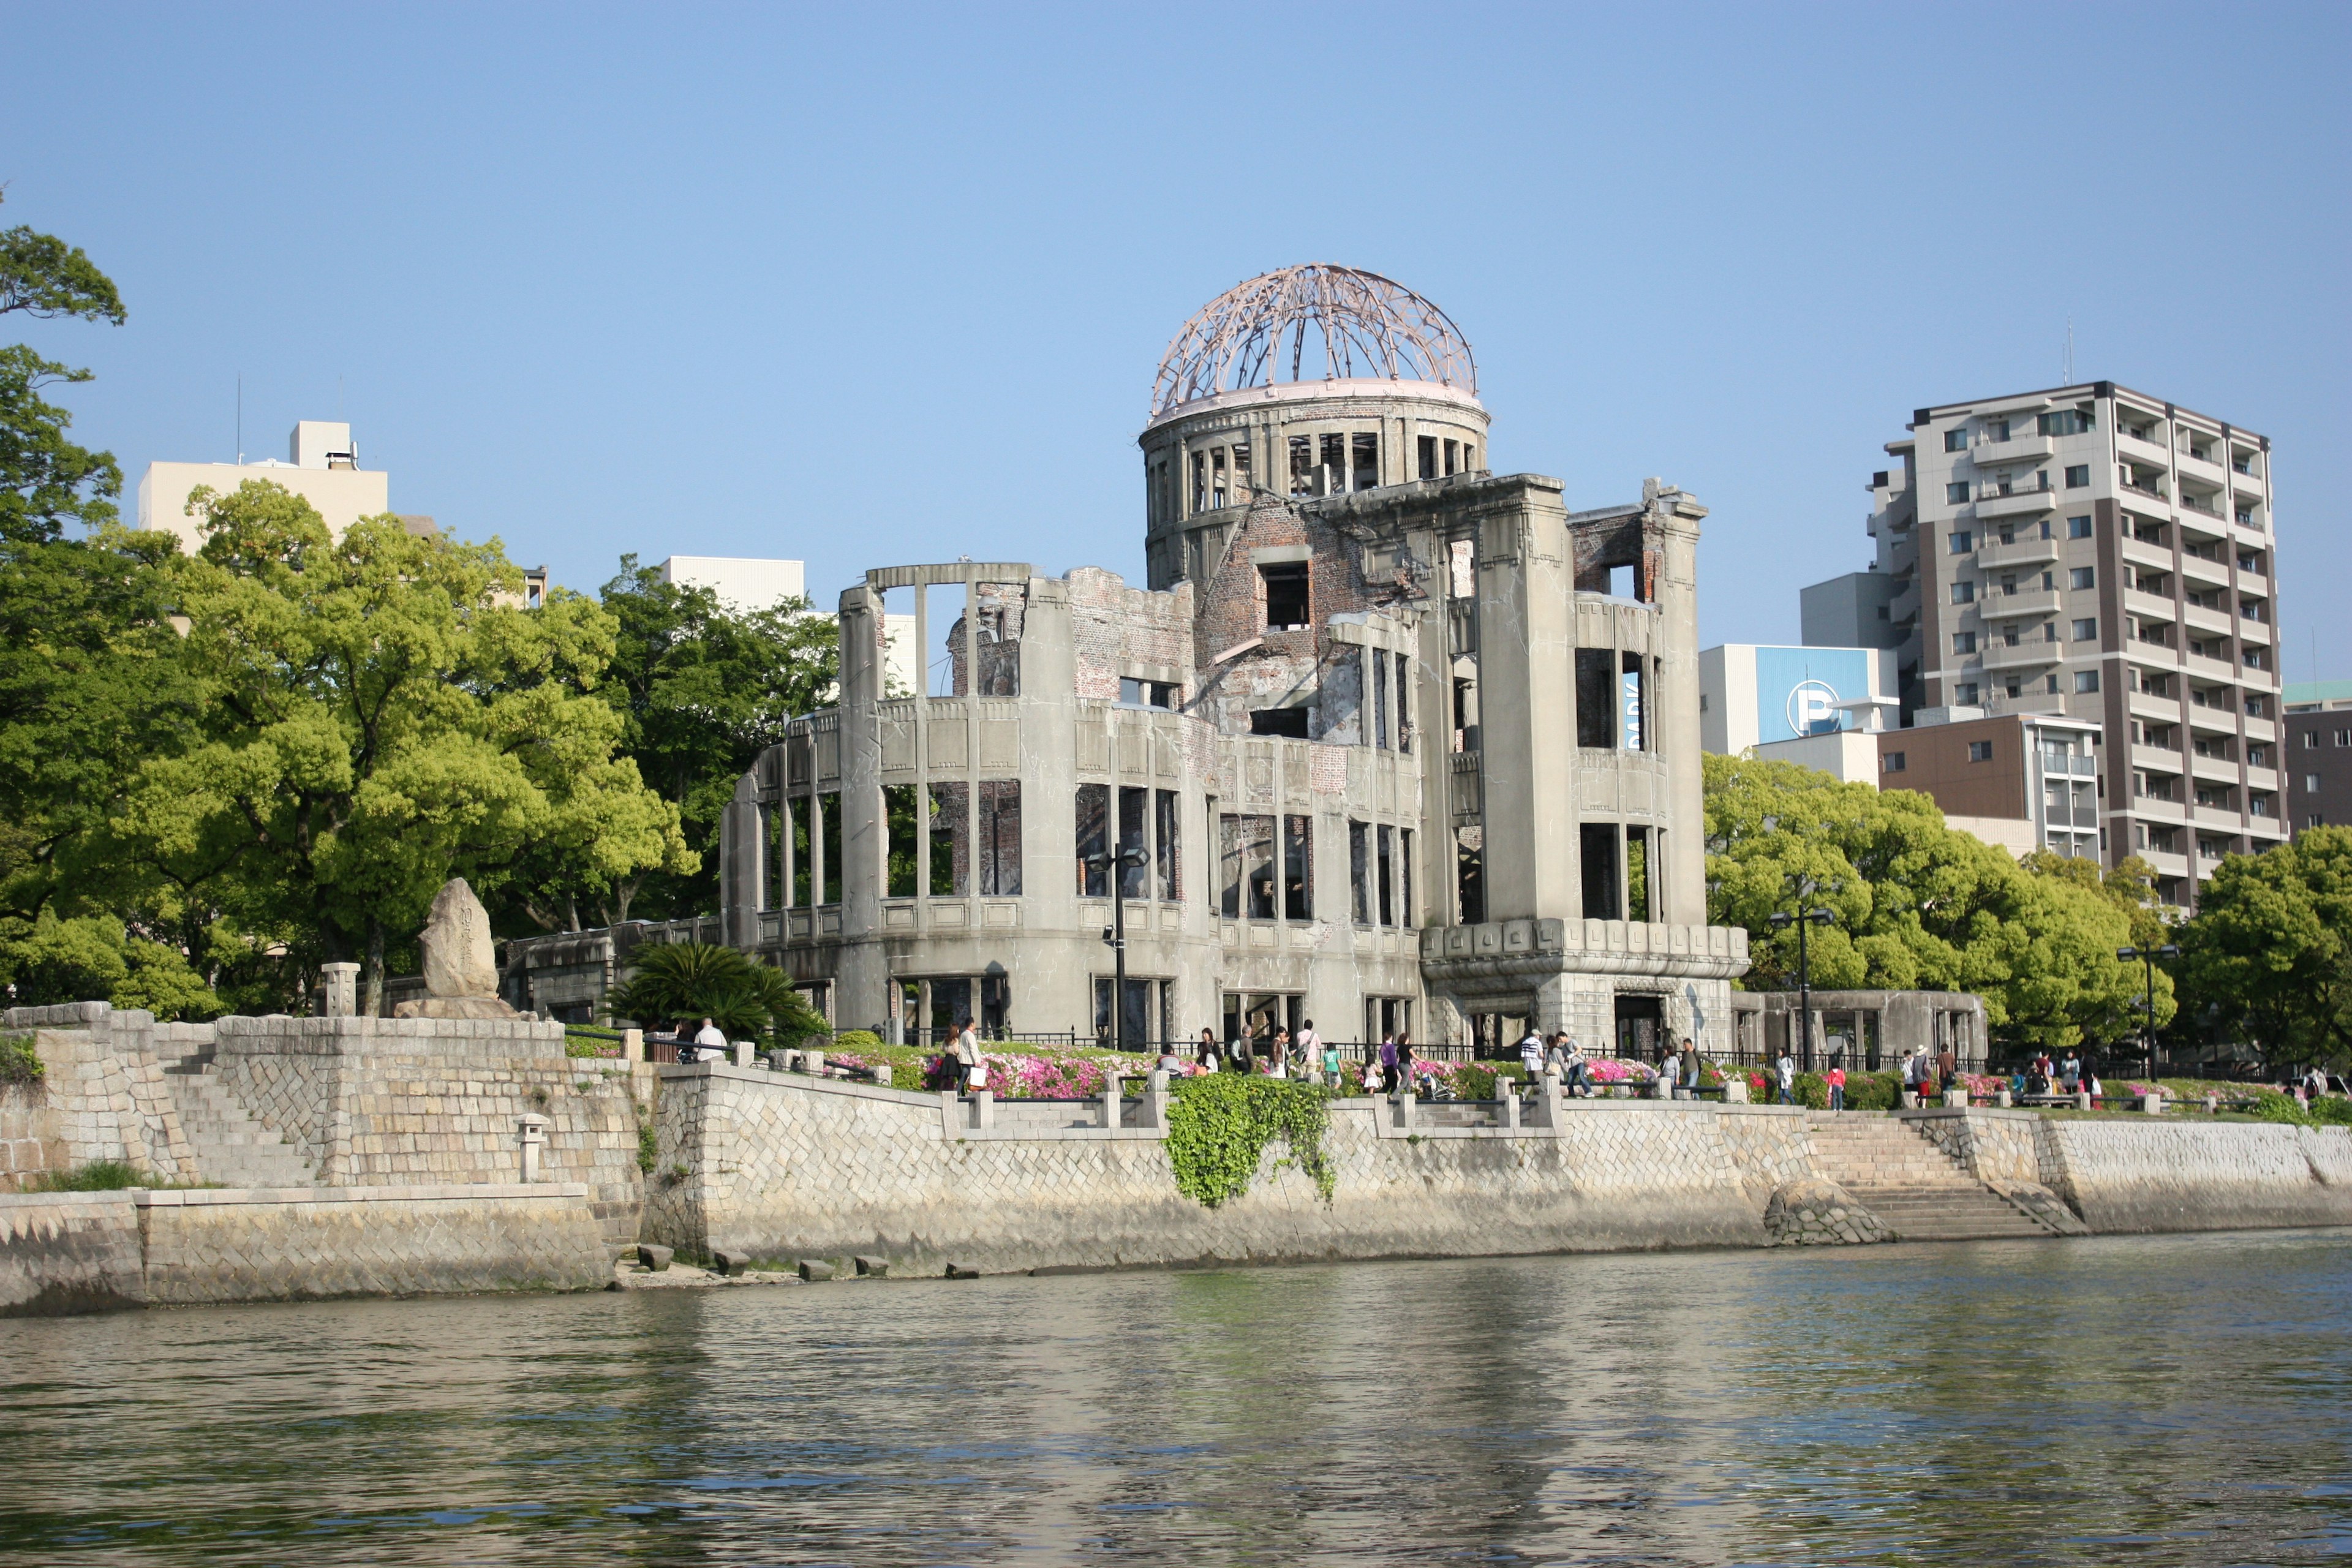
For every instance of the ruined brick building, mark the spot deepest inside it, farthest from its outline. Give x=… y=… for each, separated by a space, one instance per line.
x=1398 y=744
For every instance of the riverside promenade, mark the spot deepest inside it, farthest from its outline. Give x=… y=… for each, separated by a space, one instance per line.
x=307 y=1158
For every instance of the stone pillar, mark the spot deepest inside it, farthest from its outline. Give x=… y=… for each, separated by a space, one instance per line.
x=742 y=865
x=632 y=1045
x=1110 y=1097
x=340 y=983
x=530 y=1130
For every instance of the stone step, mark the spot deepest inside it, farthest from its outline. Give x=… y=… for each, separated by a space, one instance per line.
x=231 y=1147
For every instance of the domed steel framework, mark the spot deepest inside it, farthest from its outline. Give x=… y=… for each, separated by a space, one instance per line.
x=1364 y=324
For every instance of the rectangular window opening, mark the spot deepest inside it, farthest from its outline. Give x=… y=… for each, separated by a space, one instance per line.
x=1094 y=831
x=1286 y=593
x=1000 y=837
x=900 y=834
x=1298 y=869
x=1134 y=804
x=1164 y=842
x=1600 y=842
x=1360 y=872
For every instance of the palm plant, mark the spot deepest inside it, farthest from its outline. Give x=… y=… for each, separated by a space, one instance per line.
x=700 y=979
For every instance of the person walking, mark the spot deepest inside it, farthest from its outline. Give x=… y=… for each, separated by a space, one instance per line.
x=1407 y=1062
x=1332 y=1063
x=1307 y=1052
x=1205 y=1055
x=1947 y=1069
x=1690 y=1066
x=1784 y=1074
x=1388 y=1063
x=1576 y=1071
x=1835 y=1079
x=966 y=1055
x=1278 y=1063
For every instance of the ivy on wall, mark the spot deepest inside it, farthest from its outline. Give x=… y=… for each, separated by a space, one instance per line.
x=1219 y=1126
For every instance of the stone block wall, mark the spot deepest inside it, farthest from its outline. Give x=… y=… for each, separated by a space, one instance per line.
x=103 y=1096
x=2167 y=1174
x=76 y=1252
x=783 y=1167
x=404 y=1101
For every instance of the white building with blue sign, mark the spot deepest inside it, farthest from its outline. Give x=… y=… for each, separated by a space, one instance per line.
x=1822 y=707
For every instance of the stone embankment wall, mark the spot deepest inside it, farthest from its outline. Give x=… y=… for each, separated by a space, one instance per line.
x=366 y=1102
x=67 y=1252
x=780 y=1167
x=783 y=1167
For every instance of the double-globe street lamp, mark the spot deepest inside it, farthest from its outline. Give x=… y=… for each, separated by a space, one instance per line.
x=1114 y=936
x=2147 y=957
x=1781 y=920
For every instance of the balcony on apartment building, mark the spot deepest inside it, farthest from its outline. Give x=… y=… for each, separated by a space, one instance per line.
x=2018 y=449
x=2016 y=497
x=2031 y=649
x=1995 y=554
x=2000 y=603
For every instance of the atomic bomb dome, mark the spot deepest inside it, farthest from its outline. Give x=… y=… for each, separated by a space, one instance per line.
x=1308 y=380
x=1316 y=322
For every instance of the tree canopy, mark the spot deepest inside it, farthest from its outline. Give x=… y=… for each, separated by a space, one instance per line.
x=1919 y=905
x=2269 y=954
x=373 y=715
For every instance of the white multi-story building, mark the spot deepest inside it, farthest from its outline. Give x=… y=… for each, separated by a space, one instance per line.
x=2099 y=553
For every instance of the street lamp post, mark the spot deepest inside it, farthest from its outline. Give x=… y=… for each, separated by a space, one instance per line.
x=2147 y=957
x=1782 y=921
x=1115 y=938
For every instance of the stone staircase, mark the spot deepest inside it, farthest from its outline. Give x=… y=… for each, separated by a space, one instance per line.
x=231 y=1149
x=1915 y=1189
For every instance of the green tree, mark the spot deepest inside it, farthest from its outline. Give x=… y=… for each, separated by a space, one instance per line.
x=376 y=714
x=1919 y=905
x=703 y=690
x=45 y=479
x=2269 y=953
x=93 y=958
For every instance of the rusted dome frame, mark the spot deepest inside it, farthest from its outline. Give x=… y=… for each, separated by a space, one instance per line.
x=1236 y=339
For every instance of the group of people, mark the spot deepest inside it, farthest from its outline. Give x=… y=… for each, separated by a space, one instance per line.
x=2040 y=1074
x=1307 y=1056
x=704 y=1043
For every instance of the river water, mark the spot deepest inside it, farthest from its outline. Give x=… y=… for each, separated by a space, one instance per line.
x=2165 y=1400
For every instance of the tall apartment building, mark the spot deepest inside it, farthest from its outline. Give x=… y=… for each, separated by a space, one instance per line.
x=2096 y=551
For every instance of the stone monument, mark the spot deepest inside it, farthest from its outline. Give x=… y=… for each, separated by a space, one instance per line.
x=461 y=973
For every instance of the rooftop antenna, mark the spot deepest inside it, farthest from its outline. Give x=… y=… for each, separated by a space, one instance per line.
x=2070 y=349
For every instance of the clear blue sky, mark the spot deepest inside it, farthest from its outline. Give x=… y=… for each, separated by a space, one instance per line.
x=865 y=285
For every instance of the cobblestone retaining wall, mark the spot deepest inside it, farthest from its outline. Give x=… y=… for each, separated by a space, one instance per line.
x=68 y=1252
x=2122 y=1174
x=784 y=1167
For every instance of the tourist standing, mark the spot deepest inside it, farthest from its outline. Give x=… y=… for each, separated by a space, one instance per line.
x=2070 y=1072
x=1332 y=1063
x=1205 y=1055
x=1407 y=1062
x=1307 y=1051
x=1835 y=1079
x=1531 y=1054
x=710 y=1038
x=1690 y=1066
x=1388 y=1063
x=1784 y=1074
x=1947 y=1069
x=1278 y=1056
x=1577 y=1071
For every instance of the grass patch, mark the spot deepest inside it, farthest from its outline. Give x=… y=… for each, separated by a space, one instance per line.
x=107 y=1176
x=19 y=1062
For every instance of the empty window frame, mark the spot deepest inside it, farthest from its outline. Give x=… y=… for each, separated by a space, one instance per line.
x=950 y=844
x=1134 y=809
x=1287 y=599
x=903 y=849
x=1385 y=843
x=1302 y=465
x=1365 y=472
x=1425 y=451
x=1638 y=889
x=1334 y=455
x=1164 y=841
x=1147 y=693
x=1245 y=857
x=1470 y=874
x=1379 y=663
x=828 y=808
x=1599 y=843
x=1298 y=869
x=1403 y=702
x=1360 y=872
x=1094 y=827
x=1406 y=914
x=1289 y=723
x=1000 y=837
x=1596 y=700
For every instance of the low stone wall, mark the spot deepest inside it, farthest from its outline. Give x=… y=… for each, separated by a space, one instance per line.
x=779 y=1167
x=2188 y=1174
x=67 y=1252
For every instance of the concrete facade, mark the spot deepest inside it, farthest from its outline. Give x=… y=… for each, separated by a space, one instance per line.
x=2318 y=755
x=2103 y=553
x=1406 y=746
